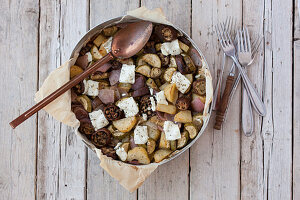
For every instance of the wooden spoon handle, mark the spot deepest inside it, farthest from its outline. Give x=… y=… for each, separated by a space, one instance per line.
x=224 y=102
x=60 y=91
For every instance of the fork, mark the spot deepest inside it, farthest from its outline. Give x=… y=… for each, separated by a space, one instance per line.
x=255 y=44
x=229 y=50
x=228 y=25
x=245 y=57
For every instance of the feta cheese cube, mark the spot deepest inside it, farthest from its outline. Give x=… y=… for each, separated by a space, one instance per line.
x=171 y=130
x=161 y=98
x=120 y=151
x=172 y=48
x=153 y=105
x=144 y=117
x=107 y=45
x=151 y=90
x=140 y=135
x=129 y=106
x=127 y=74
x=89 y=56
x=182 y=83
x=91 y=88
x=98 y=119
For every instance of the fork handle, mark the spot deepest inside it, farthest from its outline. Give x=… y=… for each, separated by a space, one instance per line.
x=254 y=97
x=224 y=101
x=247 y=115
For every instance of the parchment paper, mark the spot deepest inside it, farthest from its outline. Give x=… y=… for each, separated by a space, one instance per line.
x=129 y=176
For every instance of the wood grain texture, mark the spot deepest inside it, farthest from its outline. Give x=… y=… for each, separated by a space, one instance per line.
x=296 y=122
x=43 y=159
x=276 y=128
x=99 y=182
x=215 y=157
x=61 y=155
x=171 y=180
x=252 y=165
x=18 y=42
x=296 y=20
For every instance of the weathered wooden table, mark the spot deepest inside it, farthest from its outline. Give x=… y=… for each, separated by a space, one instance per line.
x=43 y=159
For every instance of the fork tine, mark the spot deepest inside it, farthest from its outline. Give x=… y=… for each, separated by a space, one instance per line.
x=241 y=41
x=248 y=40
x=256 y=47
x=238 y=41
x=245 y=40
x=219 y=35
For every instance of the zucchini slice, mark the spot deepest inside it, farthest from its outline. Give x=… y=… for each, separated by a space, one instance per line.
x=152 y=59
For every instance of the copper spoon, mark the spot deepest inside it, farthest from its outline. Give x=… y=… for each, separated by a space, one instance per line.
x=126 y=43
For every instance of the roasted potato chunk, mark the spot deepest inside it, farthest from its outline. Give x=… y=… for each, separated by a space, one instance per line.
x=171 y=93
x=126 y=124
x=171 y=109
x=161 y=154
x=139 y=154
x=183 y=140
x=191 y=129
x=184 y=116
x=163 y=142
x=75 y=70
x=151 y=146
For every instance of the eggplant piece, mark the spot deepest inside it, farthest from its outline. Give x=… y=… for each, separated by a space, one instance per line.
x=139 y=82
x=165 y=60
x=96 y=103
x=191 y=68
x=182 y=68
x=144 y=70
x=155 y=72
x=152 y=59
x=86 y=102
x=140 y=92
x=86 y=49
x=109 y=31
x=169 y=73
x=150 y=47
x=165 y=33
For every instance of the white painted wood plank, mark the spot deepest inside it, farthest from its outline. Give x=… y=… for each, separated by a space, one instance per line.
x=252 y=147
x=61 y=155
x=296 y=167
x=99 y=183
x=277 y=125
x=296 y=20
x=171 y=180
x=215 y=158
x=18 y=80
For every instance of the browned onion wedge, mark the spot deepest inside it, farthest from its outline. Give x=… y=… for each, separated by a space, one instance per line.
x=139 y=82
x=161 y=115
x=140 y=92
x=197 y=105
x=114 y=76
x=132 y=143
x=80 y=112
x=105 y=67
x=96 y=103
x=107 y=96
x=82 y=61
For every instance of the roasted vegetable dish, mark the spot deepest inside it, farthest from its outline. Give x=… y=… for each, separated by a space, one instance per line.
x=141 y=109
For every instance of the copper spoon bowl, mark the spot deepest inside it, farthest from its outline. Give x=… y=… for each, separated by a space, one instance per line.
x=126 y=43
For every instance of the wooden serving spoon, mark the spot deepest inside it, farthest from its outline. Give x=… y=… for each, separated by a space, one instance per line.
x=126 y=43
